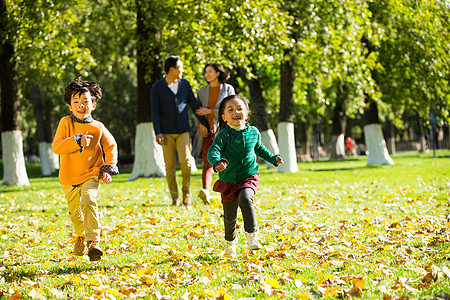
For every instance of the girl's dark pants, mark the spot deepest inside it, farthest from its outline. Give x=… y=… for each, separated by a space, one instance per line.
x=244 y=200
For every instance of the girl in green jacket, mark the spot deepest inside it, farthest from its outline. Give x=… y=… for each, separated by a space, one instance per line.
x=233 y=154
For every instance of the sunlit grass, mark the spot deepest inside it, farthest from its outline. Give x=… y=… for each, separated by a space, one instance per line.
x=321 y=228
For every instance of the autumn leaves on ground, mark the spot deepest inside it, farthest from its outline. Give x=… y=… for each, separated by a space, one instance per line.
x=332 y=230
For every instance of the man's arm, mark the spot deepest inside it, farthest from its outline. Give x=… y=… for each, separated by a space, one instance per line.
x=155 y=110
x=195 y=104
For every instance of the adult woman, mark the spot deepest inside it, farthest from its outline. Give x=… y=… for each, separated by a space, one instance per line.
x=210 y=97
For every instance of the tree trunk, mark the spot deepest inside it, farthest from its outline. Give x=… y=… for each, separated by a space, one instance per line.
x=258 y=107
x=44 y=127
x=390 y=136
x=373 y=135
x=14 y=171
x=305 y=151
x=421 y=134
x=257 y=101
x=446 y=140
x=286 y=135
x=148 y=159
x=338 y=128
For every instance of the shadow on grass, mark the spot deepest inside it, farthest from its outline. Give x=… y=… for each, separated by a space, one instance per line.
x=349 y=168
x=16 y=275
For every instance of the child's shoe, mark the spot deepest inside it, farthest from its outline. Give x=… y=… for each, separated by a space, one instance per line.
x=204 y=195
x=187 y=201
x=252 y=241
x=94 y=251
x=80 y=246
x=230 y=248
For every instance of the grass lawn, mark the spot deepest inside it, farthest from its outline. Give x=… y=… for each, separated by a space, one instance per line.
x=334 y=229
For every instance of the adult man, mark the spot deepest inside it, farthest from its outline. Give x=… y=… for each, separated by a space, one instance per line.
x=171 y=96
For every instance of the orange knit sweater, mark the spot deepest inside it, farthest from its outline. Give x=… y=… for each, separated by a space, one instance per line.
x=76 y=166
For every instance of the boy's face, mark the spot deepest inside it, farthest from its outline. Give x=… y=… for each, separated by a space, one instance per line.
x=81 y=105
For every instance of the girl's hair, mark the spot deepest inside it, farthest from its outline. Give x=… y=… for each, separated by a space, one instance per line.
x=223 y=76
x=78 y=86
x=223 y=104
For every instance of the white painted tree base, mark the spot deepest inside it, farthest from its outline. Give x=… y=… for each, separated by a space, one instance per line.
x=148 y=155
x=376 y=146
x=269 y=140
x=48 y=159
x=337 y=142
x=193 y=165
x=14 y=171
x=286 y=142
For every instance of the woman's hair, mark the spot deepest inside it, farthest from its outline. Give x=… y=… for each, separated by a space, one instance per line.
x=223 y=104
x=171 y=62
x=78 y=86
x=223 y=76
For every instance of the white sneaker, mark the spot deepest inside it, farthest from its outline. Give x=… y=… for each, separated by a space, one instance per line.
x=252 y=241
x=204 y=195
x=230 y=248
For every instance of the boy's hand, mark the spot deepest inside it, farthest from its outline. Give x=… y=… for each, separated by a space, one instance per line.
x=280 y=160
x=86 y=139
x=106 y=178
x=221 y=166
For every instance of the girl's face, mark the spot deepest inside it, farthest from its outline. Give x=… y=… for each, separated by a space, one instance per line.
x=235 y=113
x=211 y=74
x=81 y=105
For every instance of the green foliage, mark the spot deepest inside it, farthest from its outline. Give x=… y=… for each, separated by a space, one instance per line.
x=414 y=54
x=406 y=71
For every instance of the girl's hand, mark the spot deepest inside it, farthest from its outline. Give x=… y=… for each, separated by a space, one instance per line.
x=280 y=160
x=221 y=166
x=203 y=131
x=106 y=178
x=86 y=139
x=202 y=111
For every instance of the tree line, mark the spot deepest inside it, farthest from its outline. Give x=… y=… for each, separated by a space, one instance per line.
x=306 y=66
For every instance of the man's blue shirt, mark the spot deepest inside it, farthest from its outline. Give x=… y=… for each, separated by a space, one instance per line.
x=170 y=111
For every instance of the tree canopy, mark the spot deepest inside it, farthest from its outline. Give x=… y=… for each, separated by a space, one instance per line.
x=56 y=41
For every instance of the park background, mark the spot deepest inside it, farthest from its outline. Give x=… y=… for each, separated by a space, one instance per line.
x=335 y=223
x=315 y=73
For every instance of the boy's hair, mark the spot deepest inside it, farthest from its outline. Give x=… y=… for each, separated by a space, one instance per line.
x=223 y=104
x=171 y=62
x=78 y=86
x=223 y=76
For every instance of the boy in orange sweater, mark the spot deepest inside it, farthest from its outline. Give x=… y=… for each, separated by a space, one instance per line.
x=81 y=143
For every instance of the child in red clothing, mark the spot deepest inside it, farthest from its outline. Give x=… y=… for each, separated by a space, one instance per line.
x=81 y=143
